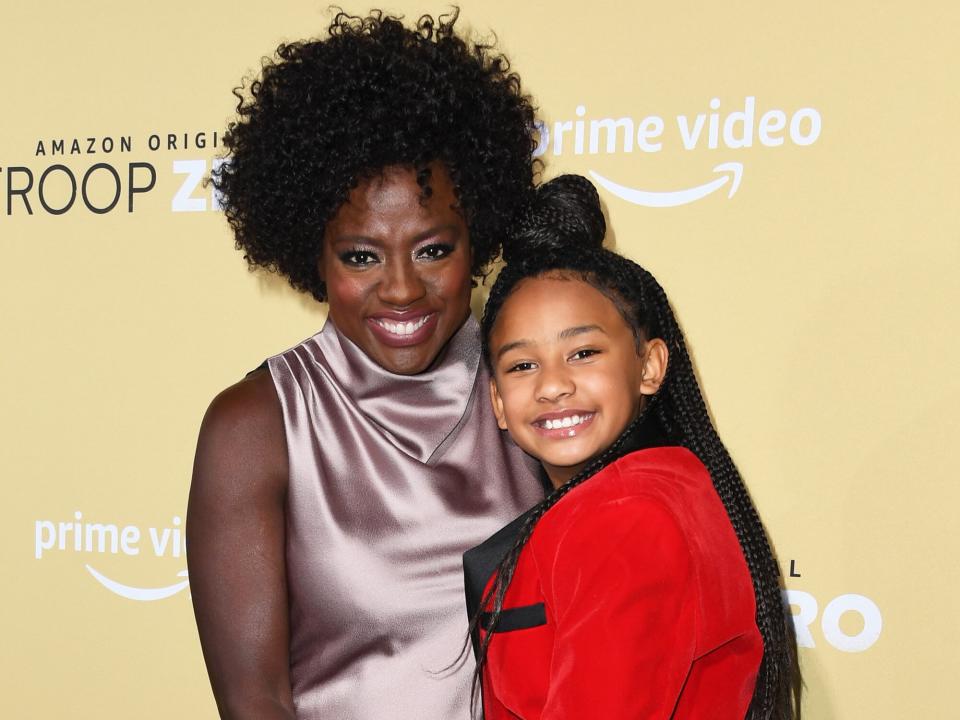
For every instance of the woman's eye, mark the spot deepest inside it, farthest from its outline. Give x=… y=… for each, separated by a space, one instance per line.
x=584 y=354
x=358 y=258
x=434 y=251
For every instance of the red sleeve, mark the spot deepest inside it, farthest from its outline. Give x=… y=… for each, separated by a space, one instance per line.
x=624 y=596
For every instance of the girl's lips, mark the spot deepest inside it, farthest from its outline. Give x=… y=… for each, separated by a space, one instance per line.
x=554 y=425
x=396 y=333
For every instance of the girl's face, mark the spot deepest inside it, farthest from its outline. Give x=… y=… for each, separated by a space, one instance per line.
x=567 y=378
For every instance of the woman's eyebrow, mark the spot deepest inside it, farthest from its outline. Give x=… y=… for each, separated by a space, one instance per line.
x=360 y=239
x=447 y=228
x=355 y=240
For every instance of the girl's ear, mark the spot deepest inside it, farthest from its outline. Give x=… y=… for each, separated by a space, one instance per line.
x=655 y=357
x=497 y=403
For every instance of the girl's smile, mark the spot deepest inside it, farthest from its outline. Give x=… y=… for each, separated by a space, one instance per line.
x=567 y=377
x=564 y=424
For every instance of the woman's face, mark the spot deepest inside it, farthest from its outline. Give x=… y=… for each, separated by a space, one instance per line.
x=567 y=376
x=397 y=268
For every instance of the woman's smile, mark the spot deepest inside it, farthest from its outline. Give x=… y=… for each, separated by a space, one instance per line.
x=396 y=265
x=403 y=330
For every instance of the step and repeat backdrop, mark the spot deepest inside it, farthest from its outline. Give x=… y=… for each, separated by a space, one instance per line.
x=788 y=171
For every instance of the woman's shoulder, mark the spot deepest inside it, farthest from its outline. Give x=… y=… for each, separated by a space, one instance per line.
x=243 y=425
x=248 y=404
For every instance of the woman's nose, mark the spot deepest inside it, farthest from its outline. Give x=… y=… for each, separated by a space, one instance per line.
x=401 y=285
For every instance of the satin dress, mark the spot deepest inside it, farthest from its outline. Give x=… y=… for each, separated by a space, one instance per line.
x=392 y=478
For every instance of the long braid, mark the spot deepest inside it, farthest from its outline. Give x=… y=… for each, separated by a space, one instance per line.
x=683 y=413
x=561 y=236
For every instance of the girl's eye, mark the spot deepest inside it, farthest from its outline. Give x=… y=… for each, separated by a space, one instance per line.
x=584 y=354
x=358 y=258
x=434 y=251
x=521 y=367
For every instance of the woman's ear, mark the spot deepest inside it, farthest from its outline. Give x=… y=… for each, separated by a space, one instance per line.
x=655 y=357
x=497 y=403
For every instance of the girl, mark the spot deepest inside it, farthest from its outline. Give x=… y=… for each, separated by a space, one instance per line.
x=644 y=585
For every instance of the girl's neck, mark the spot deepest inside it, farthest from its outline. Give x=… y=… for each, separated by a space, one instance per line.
x=642 y=433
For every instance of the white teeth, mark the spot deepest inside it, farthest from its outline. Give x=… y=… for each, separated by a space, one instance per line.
x=403 y=328
x=567 y=422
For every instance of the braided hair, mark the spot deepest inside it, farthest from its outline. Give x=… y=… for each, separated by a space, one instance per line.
x=561 y=235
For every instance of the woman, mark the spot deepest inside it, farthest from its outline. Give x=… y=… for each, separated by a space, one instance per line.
x=643 y=587
x=335 y=489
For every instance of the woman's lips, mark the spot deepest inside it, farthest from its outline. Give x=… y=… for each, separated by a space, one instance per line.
x=403 y=332
x=566 y=424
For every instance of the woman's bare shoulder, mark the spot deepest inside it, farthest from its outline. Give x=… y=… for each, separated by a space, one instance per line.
x=252 y=400
x=242 y=436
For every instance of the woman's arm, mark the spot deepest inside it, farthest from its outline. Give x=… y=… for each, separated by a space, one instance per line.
x=623 y=592
x=235 y=551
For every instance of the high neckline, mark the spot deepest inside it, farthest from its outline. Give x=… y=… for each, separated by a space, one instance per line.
x=417 y=413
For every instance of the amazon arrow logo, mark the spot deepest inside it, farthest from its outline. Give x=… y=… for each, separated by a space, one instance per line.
x=141 y=594
x=732 y=172
x=105 y=538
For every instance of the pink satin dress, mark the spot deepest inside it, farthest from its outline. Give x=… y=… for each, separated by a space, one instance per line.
x=392 y=478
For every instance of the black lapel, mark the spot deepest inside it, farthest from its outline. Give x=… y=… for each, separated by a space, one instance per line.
x=480 y=562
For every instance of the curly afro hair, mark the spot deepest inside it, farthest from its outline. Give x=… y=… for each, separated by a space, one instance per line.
x=326 y=114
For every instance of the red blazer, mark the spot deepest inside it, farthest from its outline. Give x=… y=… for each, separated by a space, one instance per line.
x=632 y=599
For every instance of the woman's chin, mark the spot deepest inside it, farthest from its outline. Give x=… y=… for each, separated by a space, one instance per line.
x=406 y=361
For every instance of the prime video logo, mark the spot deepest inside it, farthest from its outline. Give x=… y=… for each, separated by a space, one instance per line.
x=745 y=126
x=93 y=539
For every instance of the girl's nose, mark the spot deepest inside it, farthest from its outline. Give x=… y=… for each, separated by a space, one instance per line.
x=555 y=384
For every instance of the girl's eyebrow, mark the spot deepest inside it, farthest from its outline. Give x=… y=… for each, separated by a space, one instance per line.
x=562 y=335
x=512 y=346
x=579 y=330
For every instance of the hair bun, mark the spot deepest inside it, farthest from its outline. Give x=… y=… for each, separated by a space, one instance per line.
x=564 y=213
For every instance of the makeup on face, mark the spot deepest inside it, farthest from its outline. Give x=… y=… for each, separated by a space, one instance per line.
x=397 y=268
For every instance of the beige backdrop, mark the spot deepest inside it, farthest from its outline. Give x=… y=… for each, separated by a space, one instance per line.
x=790 y=175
